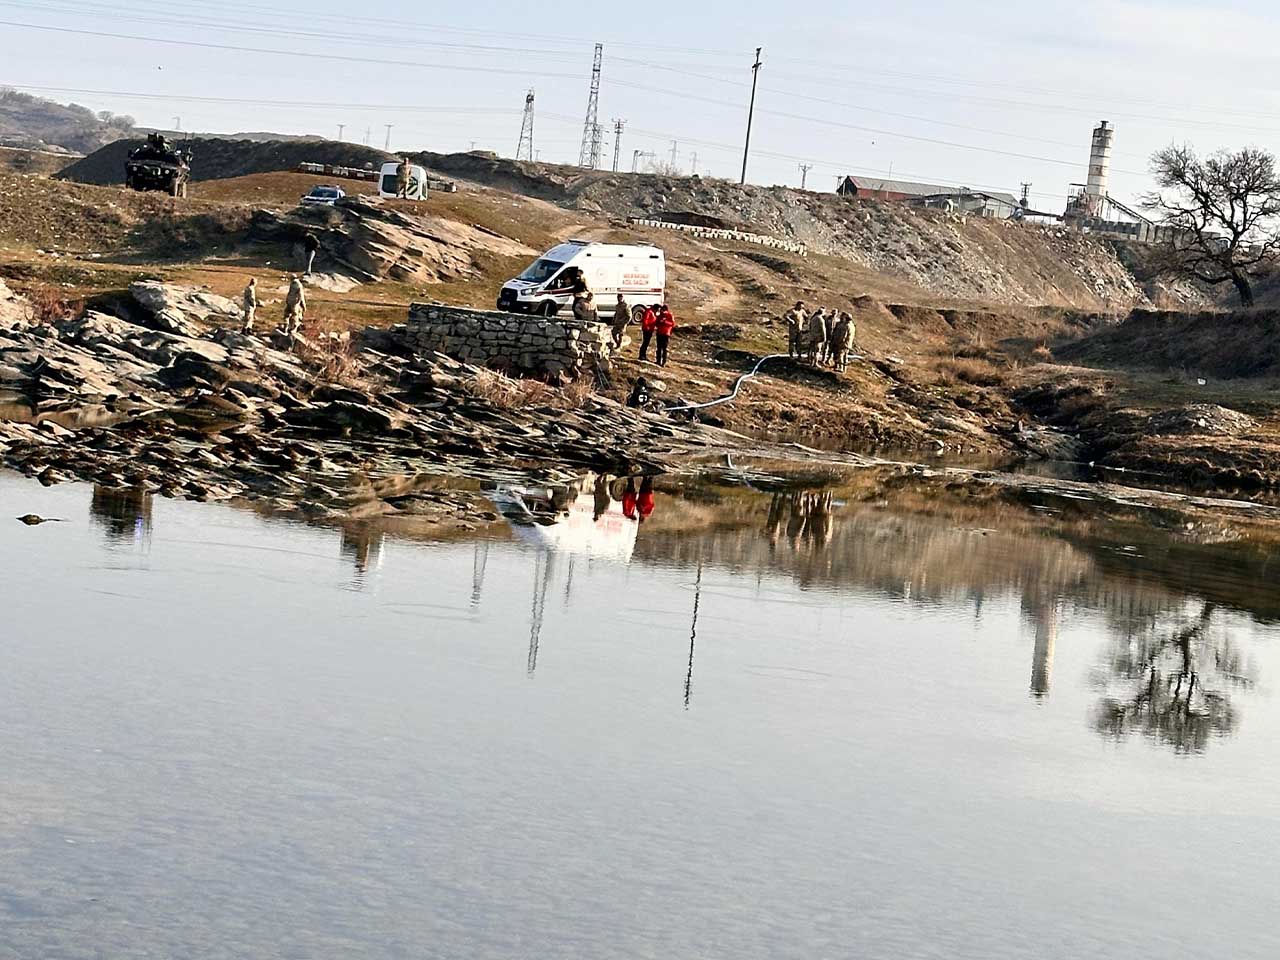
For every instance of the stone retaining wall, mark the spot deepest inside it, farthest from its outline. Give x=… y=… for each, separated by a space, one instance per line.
x=711 y=233
x=556 y=348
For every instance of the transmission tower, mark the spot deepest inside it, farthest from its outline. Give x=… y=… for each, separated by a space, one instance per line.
x=618 y=125
x=524 y=150
x=591 y=132
x=804 y=169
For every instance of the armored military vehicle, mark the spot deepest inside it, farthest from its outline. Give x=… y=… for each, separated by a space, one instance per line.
x=158 y=165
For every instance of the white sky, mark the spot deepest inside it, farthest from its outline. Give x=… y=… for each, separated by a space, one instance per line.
x=979 y=94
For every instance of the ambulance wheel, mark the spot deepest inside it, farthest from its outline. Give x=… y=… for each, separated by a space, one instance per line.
x=637 y=314
x=549 y=309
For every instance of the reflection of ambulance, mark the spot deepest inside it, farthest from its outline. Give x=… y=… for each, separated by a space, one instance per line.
x=389 y=181
x=638 y=272
x=563 y=525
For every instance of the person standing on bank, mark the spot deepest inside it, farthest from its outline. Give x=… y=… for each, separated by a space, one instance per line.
x=666 y=325
x=250 y=304
x=621 y=317
x=647 y=326
x=310 y=246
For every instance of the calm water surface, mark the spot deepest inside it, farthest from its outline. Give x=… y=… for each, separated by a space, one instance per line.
x=758 y=725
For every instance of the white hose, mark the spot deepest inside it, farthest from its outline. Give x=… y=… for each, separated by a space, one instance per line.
x=736 y=387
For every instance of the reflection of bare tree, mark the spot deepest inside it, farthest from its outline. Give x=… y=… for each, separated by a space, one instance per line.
x=1174 y=683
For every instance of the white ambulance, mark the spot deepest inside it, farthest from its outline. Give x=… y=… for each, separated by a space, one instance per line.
x=637 y=271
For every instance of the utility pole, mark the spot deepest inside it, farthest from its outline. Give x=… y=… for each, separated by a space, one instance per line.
x=751 y=112
x=177 y=124
x=618 y=126
x=387 y=146
x=675 y=152
x=1026 y=195
x=638 y=156
x=804 y=174
x=589 y=156
x=341 y=127
x=368 y=135
x=693 y=165
x=524 y=149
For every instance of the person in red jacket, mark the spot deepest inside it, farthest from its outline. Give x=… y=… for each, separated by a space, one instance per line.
x=665 y=326
x=648 y=324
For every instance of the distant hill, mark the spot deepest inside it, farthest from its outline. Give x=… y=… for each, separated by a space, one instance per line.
x=36 y=123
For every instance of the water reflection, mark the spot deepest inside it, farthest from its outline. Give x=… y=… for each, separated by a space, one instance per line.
x=361 y=544
x=124 y=513
x=1171 y=681
x=1169 y=676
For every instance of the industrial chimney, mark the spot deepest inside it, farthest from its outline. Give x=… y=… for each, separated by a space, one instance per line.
x=1100 y=163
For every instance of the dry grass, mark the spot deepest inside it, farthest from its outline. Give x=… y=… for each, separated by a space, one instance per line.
x=331 y=356
x=508 y=393
x=978 y=373
x=51 y=305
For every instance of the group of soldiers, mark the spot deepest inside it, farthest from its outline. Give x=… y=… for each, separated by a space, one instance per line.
x=295 y=307
x=824 y=336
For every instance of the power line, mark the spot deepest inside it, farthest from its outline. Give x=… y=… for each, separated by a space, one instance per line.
x=306 y=54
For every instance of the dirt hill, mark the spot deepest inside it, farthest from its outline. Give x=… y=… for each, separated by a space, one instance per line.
x=218 y=159
x=29 y=121
x=948 y=255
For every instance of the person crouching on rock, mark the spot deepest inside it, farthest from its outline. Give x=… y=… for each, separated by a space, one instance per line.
x=250 y=304
x=664 y=327
x=295 y=308
x=647 y=326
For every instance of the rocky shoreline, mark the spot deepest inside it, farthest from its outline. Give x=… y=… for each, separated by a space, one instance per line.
x=167 y=395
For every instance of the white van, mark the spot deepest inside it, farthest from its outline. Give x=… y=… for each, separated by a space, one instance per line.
x=389 y=181
x=638 y=272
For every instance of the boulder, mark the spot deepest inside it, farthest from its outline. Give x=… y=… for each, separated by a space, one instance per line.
x=15 y=310
x=177 y=309
x=1201 y=419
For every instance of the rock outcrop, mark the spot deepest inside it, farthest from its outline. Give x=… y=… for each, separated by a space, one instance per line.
x=369 y=239
x=15 y=310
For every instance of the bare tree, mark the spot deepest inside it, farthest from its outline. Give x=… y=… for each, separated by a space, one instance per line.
x=1223 y=211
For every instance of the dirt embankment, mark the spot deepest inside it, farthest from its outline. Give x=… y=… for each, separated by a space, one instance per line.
x=215 y=159
x=1203 y=344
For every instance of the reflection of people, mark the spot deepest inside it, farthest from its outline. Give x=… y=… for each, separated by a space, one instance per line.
x=362 y=544
x=602 y=498
x=629 y=500
x=644 y=501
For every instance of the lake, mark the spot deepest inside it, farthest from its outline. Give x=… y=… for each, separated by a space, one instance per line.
x=846 y=718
